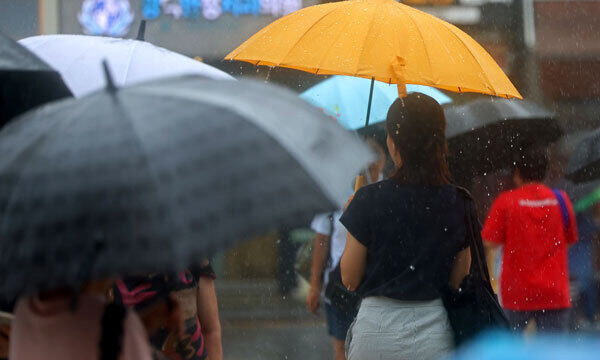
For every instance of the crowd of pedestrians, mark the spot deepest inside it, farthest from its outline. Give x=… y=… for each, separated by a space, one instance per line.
x=405 y=241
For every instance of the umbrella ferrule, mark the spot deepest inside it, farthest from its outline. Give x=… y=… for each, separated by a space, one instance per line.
x=141 y=35
x=110 y=84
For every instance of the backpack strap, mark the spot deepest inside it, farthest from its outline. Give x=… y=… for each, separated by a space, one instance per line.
x=563 y=207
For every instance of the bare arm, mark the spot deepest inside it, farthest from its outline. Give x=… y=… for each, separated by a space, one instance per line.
x=321 y=247
x=353 y=263
x=208 y=314
x=460 y=268
x=491 y=249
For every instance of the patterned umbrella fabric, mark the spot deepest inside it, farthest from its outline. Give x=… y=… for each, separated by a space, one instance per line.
x=155 y=177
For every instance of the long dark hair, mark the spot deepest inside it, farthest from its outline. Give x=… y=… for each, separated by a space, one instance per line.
x=417 y=126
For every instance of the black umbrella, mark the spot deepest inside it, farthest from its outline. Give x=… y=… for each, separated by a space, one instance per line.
x=157 y=176
x=376 y=132
x=584 y=164
x=484 y=135
x=25 y=81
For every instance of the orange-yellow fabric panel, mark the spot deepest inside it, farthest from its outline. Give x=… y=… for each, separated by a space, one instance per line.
x=364 y=38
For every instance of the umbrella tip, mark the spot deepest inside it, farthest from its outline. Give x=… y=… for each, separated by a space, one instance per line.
x=110 y=84
x=141 y=35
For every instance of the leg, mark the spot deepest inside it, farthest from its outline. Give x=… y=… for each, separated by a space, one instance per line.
x=552 y=320
x=518 y=319
x=338 y=349
x=337 y=324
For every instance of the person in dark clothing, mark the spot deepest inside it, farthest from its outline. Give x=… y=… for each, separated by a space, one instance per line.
x=406 y=242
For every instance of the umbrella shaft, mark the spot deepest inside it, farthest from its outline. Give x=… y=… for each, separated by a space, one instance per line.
x=370 y=101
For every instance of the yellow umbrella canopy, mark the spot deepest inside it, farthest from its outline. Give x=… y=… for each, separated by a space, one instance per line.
x=380 y=39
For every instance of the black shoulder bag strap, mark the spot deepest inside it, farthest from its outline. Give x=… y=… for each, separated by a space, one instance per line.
x=111 y=337
x=473 y=228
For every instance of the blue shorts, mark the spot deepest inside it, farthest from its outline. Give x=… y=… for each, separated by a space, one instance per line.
x=338 y=322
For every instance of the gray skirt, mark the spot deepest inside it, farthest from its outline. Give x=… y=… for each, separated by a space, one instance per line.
x=391 y=329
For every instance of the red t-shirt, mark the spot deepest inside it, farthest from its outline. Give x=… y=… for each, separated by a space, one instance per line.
x=529 y=223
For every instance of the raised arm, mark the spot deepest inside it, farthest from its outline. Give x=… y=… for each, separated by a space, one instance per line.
x=208 y=314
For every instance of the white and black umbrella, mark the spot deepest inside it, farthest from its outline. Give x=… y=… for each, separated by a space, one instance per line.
x=25 y=81
x=78 y=58
x=484 y=135
x=157 y=176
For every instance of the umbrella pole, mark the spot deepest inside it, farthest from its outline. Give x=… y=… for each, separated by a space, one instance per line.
x=370 y=101
x=360 y=179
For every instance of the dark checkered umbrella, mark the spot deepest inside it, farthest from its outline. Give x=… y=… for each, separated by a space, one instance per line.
x=25 y=81
x=158 y=176
x=584 y=164
x=484 y=134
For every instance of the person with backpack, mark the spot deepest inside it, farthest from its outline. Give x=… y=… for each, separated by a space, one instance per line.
x=407 y=242
x=329 y=242
x=534 y=224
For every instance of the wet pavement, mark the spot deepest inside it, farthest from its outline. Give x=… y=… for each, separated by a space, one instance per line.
x=260 y=324
x=290 y=340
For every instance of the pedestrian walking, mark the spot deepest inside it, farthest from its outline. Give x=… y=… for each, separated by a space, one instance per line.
x=535 y=225
x=189 y=327
x=61 y=325
x=406 y=242
x=329 y=243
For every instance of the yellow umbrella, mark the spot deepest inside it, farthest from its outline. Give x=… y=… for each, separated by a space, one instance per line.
x=378 y=39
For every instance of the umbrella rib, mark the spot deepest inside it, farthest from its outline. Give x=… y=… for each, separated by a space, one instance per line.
x=176 y=220
x=421 y=35
x=472 y=55
x=126 y=75
x=362 y=48
x=336 y=39
x=304 y=34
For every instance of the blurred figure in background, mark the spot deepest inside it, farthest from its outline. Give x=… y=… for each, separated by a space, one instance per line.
x=535 y=225
x=180 y=312
x=329 y=243
x=62 y=325
x=583 y=268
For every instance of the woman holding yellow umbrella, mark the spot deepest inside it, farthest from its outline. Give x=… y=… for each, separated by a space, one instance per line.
x=388 y=41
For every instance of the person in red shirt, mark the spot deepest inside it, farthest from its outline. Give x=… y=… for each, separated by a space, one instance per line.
x=535 y=225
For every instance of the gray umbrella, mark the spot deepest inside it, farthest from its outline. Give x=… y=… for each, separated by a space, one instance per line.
x=584 y=164
x=25 y=81
x=157 y=176
x=484 y=134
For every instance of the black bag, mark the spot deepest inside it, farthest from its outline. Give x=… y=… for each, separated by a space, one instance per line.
x=341 y=298
x=474 y=307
